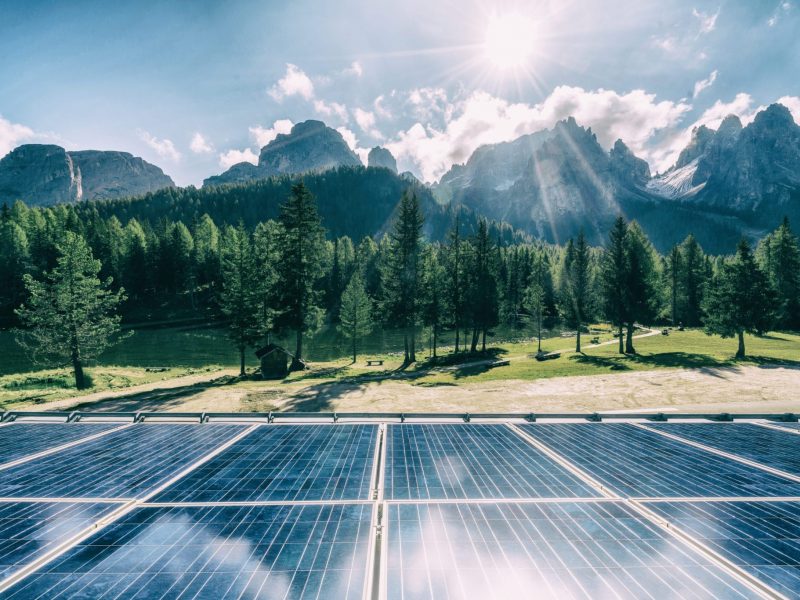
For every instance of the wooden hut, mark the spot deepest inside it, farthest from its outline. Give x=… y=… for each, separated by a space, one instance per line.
x=274 y=361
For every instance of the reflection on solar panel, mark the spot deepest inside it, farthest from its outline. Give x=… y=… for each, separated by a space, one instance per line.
x=30 y=529
x=124 y=463
x=22 y=439
x=215 y=552
x=542 y=550
x=285 y=463
x=761 y=537
x=766 y=446
x=472 y=461
x=639 y=463
x=791 y=426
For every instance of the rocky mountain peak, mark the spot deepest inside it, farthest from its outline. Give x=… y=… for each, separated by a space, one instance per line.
x=309 y=146
x=701 y=137
x=628 y=167
x=381 y=157
x=45 y=174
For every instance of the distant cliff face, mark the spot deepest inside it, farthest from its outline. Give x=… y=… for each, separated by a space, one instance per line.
x=381 y=157
x=310 y=146
x=42 y=175
x=751 y=172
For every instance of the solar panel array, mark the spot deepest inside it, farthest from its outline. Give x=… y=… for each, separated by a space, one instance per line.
x=399 y=511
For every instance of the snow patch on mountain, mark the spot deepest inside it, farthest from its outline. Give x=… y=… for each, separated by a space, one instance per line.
x=675 y=183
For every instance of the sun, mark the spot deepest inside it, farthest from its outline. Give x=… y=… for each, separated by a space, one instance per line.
x=509 y=40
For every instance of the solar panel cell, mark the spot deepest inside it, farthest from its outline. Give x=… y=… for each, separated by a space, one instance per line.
x=761 y=537
x=638 y=463
x=125 y=463
x=543 y=550
x=472 y=461
x=770 y=447
x=18 y=440
x=30 y=529
x=311 y=551
x=285 y=463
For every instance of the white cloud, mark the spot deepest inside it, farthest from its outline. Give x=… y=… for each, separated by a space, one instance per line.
x=380 y=109
x=11 y=134
x=232 y=157
x=741 y=106
x=264 y=136
x=200 y=145
x=294 y=83
x=354 y=70
x=366 y=121
x=163 y=147
x=793 y=104
x=485 y=119
x=708 y=22
x=352 y=141
x=329 y=109
x=783 y=7
x=706 y=83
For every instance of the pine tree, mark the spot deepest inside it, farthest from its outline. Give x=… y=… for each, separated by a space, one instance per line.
x=239 y=298
x=575 y=285
x=70 y=315
x=401 y=280
x=536 y=293
x=456 y=277
x=433 y=287
x=14 y=264
x=673 y=266
x=779 y=257
x=355 y=311
x=740 y=299
x=266 y=250
x=483 y=297
x=641 y=282
x=614 y=277
x=695 y=276
x=302 y=246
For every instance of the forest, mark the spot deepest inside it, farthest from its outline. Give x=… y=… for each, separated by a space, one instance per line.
x=290 y=274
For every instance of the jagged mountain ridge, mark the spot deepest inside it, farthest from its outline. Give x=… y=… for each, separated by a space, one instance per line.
x=44 y=174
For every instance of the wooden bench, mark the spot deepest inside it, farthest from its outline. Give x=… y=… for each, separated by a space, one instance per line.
x=372 y=363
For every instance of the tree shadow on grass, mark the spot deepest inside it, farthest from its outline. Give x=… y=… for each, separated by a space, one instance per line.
x=614 y=364
x=770 y=362
x=160 y=399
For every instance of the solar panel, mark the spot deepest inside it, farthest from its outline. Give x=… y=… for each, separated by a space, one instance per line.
x=761 y=537
x=472 y=461
x=638 y=463
x=777 y=449
x=542 y=550
x=285 y=462
x=125 y=463
x=311 y=551
x=30 y=529
x=18 y=440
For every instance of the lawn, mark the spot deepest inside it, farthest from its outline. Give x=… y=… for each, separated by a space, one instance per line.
x=680 y=349
x=41 y=387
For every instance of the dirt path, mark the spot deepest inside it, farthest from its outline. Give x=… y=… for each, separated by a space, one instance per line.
x=735 y=389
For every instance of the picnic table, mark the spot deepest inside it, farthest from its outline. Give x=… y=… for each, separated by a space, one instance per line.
x=375 y=361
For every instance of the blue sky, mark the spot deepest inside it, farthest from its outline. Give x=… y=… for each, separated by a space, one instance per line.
x=197 y=85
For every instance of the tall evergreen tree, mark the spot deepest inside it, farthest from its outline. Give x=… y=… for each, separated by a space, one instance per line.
x=673 y=266
x=574 y=285
x=779 y=257
x=641 y=282
x=70 y=315
x=740 y=299
x=402 y=277
x=433 y=287
x=355 y=311
x=614 y=277
x=267 y=253
x=239 y=298
x=456 y=276
x=536 y=294
x=302 y=245
x=483 y=297
x=695 y=276
x=15 y=262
